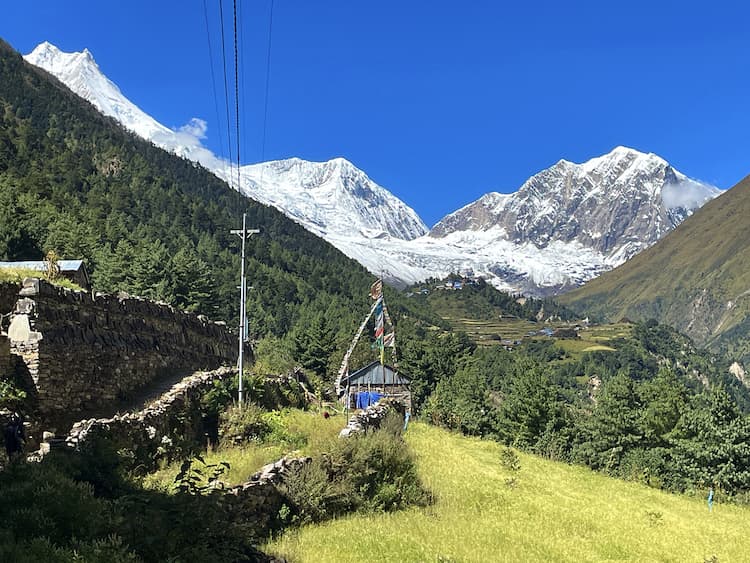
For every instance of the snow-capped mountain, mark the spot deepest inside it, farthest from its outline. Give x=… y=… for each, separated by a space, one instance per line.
x=614 y=206
x=564 y=226
x=80 y=73
x=331 y=197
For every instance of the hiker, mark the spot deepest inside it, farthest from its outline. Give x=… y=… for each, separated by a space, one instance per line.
x=710 y=499
x=14 y=436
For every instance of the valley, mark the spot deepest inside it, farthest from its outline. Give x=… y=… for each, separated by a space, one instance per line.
x=555 y=373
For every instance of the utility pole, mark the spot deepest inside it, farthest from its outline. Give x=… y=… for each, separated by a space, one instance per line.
x=244 y=234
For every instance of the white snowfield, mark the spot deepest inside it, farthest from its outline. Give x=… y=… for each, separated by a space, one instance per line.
x=564 y=225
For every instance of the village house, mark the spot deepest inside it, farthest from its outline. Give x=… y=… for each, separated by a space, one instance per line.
x=73 y=270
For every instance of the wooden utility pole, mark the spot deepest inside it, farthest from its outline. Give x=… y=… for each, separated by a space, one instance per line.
x=244 y=234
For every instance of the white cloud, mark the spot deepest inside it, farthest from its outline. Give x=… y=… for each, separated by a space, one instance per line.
x=687 y=193
x=196 y=127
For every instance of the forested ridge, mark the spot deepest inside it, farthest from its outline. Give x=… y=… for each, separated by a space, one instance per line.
x=156 y=225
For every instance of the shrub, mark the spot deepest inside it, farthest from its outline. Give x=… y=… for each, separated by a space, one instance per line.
x=509 y=460
x=313 y=495
x=243 y=424
x=371 y=472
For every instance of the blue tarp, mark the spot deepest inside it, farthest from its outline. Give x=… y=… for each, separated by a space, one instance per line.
x=365 y=399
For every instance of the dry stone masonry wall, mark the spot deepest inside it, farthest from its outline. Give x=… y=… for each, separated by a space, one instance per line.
x=82 y=352
x=5 y=359
x=160 y=430
x=156 y=432
x=371 y=417
x=258 y=501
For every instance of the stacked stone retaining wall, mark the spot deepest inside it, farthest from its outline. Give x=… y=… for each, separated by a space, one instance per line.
x=157 y=432
x=168 y=426
x=5 y=358
x=8 y=295
x=84 y=352
x=371 y=417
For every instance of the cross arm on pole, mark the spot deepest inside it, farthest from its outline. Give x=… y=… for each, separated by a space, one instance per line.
x=247 y=232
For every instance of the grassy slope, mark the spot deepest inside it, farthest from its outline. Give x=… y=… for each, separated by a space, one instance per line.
x=688 y=278
x=555 y=513
x=304 y=433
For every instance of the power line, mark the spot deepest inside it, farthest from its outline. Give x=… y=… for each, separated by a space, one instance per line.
x=226 y=85
x=268 y=82
x=243 y=50
x=213 y=76
x=236 y=90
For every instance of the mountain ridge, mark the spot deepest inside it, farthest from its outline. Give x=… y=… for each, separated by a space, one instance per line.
x=81 y=74
x=696 y=278
x=549 y=236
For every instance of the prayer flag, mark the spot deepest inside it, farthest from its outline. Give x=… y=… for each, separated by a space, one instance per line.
x=376 y=289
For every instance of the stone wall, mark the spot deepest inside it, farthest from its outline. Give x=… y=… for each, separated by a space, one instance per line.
x=371 y=417
x=170 y=422
x=5 y=358
x=167 y=427
x=83 y=353
x=258 y=501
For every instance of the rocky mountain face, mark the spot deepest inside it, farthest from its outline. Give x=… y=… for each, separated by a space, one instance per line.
x=333 y=196
x=616 y=205
x=696 y=278
x=564 y=226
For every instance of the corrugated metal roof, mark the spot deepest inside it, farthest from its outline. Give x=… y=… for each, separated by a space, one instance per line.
x=372 y=374
x=41 y=266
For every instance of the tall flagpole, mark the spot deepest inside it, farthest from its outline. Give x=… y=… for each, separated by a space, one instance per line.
x=244 y=234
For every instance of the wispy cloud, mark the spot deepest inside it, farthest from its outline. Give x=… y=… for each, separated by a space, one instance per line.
x=196 y=127
x=687 y=193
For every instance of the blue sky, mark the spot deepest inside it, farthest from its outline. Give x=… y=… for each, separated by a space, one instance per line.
x=437 y=101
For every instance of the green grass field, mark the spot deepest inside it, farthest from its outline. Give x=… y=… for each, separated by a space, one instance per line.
x=304 y=433
x=546 y=511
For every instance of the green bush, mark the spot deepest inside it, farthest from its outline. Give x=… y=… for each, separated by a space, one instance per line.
x=243 y=424
x=509 y=460
x=371 y=472
x=314 y=495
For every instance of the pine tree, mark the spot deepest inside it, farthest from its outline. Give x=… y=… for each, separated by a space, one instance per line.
x=711 y=445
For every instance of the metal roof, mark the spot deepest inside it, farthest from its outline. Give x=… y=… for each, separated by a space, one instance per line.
x=372 y=374
x=41 y=266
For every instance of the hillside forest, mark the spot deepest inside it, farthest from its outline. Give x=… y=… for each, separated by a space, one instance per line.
x=649 y=406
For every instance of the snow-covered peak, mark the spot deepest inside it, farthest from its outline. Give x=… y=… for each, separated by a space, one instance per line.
x=333 y=197
x=79 y=72
x=618 y=204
